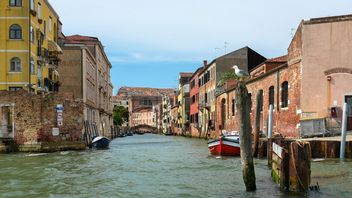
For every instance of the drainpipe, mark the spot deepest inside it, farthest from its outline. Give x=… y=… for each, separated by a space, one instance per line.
x=29 y=47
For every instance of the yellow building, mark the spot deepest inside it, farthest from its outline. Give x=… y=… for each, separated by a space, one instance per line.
x=184 y=101
x=29 y=51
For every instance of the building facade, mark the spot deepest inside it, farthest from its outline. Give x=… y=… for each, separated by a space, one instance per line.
x=29 y=49
x=167 y=103
x=184 y=102
x=308 y=87
x=194 y=103
x=85 y=74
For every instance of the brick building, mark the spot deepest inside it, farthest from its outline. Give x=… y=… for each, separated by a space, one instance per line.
x=194 y=102
x=143 y=97
x=209 y=77
x=33 y=126
x=307 y=87
x=85 y=74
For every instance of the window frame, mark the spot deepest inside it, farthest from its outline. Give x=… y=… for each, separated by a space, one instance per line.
x=16 y=31
x=15 y=3
x=15 y=65
x=284 y=94
x=271 y=96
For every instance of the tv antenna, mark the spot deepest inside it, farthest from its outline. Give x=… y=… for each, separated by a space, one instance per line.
x=225 y=46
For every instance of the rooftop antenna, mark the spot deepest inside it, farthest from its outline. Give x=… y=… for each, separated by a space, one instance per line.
x=292 y=32
x=225 y=46
x=215 y=51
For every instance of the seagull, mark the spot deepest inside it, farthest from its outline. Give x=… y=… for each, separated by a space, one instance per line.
x=240 y=73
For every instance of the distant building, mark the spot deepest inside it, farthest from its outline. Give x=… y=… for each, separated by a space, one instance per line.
x=144 y=98
x=143 y=116
x=184 y=101
x=167 y=103
x=245 y=58
x=85 y=74
x=194 y=103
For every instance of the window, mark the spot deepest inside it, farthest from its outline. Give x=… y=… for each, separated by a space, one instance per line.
x=284 y=94
x=15 y=65
x=233 y=107
x=15 y=3
x=39 y=11
x=39 y=74
x=206 y=97
x=44 y=29
x=193 y=99
x=32 y=34
x=15 y=32
x=32 y=5
x=32 y=66
x=271 y=96
x=250 y=101
x=15 y=88
x=50 y=24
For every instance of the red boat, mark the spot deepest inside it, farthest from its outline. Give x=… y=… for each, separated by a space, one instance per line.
x=225 y=146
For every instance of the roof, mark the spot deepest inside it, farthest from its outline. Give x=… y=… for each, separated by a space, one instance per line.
x=248 y=49
x=197 y=71
x=119 y=97
x=280 y=59
x=277 y=59
x=79 y=39
x=126 y=92
x=328 y=19
x=186 y=74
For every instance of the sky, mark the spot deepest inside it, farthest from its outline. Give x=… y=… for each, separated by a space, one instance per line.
x=149 y=42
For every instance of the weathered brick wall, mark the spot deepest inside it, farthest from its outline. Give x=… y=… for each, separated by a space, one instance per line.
x=35 y=116
x=285 y=120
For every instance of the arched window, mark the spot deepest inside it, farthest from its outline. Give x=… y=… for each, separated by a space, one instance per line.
x=271 y=95
x=15 y=3
x=15 y=32
x=15 y=65
x=284 y=94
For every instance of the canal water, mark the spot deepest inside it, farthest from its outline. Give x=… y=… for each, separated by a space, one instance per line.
x=151 y=166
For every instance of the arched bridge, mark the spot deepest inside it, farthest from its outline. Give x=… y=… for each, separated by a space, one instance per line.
x=144 y=129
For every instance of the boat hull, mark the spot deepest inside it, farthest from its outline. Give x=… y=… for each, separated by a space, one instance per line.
x=101 y=143
x=224 y=147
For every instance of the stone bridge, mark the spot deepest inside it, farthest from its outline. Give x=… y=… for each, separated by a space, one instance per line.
x=144 y=129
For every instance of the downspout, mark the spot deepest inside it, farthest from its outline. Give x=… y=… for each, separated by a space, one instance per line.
x=29 y=47
x=277 y=98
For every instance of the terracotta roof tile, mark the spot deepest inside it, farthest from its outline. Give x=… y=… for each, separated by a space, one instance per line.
x=126 y=92
x=278 y=59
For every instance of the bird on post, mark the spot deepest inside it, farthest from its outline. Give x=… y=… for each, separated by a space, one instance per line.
x=241 y=74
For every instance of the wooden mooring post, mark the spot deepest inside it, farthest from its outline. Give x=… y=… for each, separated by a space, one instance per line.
x=259 y=108
x=291 y=165
x=245 y=128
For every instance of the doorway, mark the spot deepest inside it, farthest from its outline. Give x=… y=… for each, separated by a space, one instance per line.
x=348 y=100
x=6 y=123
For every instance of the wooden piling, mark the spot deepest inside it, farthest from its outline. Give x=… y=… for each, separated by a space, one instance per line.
x=245 y=129
x=259 y=108
x=299 y=166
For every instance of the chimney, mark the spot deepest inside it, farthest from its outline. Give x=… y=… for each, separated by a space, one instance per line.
x=205 y=62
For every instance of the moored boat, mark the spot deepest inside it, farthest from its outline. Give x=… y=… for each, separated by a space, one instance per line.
x=101 y=142
x=225 y=145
